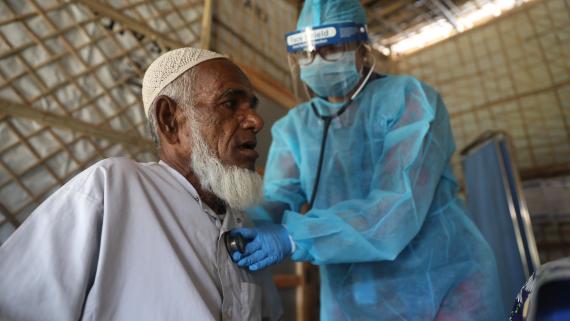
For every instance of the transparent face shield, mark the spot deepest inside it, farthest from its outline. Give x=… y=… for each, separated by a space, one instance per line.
x=330 y=61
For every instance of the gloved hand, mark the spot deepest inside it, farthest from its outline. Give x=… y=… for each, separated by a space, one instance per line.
x=268 y=244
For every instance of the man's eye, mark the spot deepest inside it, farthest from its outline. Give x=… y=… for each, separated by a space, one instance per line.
x=231 y=104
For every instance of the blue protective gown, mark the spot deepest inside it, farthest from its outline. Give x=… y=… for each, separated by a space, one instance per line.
x=392 y=240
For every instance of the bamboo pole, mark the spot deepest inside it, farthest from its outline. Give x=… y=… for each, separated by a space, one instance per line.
x=50 y=119
x=206 y=25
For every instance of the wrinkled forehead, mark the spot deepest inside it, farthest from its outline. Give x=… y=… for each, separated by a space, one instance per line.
x=218 y=75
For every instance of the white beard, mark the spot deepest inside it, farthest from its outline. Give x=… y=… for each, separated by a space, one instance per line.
x=239 y=187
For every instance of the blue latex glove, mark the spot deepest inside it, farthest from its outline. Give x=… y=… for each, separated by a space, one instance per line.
x=268 y=244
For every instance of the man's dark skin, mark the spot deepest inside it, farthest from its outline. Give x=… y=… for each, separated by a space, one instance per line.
x=225 y=109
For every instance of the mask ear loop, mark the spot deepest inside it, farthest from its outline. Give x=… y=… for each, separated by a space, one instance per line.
x=367 y=77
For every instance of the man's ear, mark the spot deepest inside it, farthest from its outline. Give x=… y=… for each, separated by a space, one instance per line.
x=166 y=111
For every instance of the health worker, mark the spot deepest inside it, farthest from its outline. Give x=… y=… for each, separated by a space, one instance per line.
x=371 y=155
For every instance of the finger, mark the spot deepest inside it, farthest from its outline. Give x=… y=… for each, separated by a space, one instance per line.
x=253 y=258
x=236 y=256
x=252 y=247
x=246 y=232
x=270 y=260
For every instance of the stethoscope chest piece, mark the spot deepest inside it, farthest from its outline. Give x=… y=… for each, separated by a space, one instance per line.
x=234 y=243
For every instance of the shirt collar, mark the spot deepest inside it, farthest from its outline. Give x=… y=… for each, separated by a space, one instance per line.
x=180 y=178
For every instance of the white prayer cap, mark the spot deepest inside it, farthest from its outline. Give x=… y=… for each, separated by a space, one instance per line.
x=168 y=67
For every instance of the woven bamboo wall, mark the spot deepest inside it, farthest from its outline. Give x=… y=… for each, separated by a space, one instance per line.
x=70 y=74
x=511 y=74
x=253 y=32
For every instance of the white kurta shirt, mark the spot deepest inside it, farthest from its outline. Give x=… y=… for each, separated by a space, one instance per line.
x=128 y=241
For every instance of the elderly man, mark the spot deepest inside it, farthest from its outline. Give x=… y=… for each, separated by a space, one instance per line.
x=130 y=241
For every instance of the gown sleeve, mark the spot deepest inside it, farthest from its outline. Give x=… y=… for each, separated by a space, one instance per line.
x=48 y=264
x=416 y=151
x=282 y=187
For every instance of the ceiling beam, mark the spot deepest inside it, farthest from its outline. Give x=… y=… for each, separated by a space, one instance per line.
x=389 y=7
x=449 y=16
x=260 y=81
x=64 y=122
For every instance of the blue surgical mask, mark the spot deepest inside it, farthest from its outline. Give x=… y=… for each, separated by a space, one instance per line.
x=331 y=78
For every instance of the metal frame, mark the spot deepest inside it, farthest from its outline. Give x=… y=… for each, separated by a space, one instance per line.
x=524 y=214
x=512 y=211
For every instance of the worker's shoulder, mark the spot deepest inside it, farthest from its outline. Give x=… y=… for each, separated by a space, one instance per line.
x=397 y=89
x=397 y=82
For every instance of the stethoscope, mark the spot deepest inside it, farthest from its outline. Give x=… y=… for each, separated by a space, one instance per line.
x=327 y=119
x=235 y=243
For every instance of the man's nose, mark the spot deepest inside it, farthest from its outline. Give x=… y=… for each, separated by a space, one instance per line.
x=252 y=120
